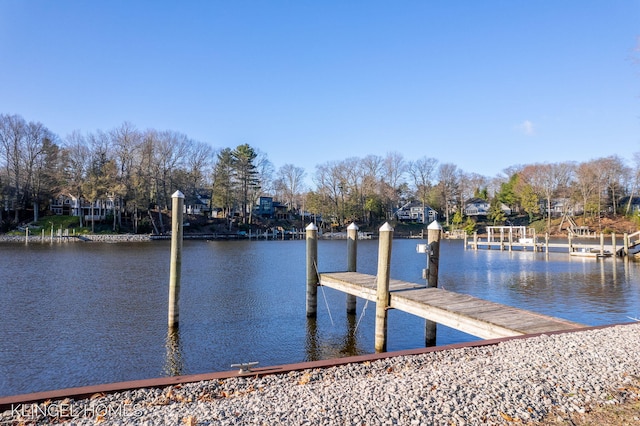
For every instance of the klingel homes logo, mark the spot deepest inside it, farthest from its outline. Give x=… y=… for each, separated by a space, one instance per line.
x=67 y=411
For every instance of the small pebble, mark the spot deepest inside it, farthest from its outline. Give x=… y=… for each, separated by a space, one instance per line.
x=517 y=381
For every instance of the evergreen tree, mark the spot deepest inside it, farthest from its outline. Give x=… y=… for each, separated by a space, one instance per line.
x=245 y=175
x=495 y=212
x=222 y=181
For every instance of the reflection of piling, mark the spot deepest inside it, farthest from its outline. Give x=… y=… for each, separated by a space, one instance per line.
x=382 y=294
x=352 y=260
x=434 y=234
x=173 y=365
x=312 y=270
x=176 y=257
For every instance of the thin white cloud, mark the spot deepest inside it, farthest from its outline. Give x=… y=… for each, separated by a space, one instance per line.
x=526 y=127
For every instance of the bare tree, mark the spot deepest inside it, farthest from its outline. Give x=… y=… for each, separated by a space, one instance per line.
x=586 y=186
x=77 y=156
x=12 y=136
x=616 y=174
x=423 y=172
x=394 y=168
x=635 y=180
x=548 y=180
x=330 y=179
x=290 y=179
x=448 y=188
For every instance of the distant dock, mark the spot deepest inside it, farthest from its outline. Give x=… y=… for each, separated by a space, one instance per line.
x=525 y=239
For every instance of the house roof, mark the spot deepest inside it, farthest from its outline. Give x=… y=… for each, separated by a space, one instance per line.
x=476 y=200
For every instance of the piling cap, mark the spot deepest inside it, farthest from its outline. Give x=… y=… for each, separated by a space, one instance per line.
x=435 y=226
x=177 y=194
x=311 y=227
x=386 y=228
x=353 y=226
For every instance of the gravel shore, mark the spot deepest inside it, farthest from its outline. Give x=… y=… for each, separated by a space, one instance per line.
x=102 y=238
x=520 y=380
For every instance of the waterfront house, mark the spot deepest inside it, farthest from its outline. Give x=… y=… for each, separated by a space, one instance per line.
x=480 y=207
x=476 y=207
x=197 y=204
x=560 y=207
x=70 y=205
x=267 y=208
x=416 y=212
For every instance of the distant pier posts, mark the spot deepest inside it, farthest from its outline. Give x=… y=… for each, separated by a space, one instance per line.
x=510 y=239
x=546 y=243
x=434 y=234
x=352 y=261
x=570 y=241
x=382 y=294
x=175 y=271
x=312 y=270
x=601 y=243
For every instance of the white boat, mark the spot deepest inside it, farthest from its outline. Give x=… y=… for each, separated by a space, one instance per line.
x=589 y=252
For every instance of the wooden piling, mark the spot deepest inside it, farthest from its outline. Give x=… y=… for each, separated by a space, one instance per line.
x=312 y=270
x=625 y=242
x=475 y=240
x=601 y=243
x=352 y=260
x=434 y=234
x=613 y=244
x=546 y=243
x=382 y=293
x=177 y=206
x=570 y=242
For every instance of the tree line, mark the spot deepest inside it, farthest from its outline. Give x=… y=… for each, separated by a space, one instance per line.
x=139 y=170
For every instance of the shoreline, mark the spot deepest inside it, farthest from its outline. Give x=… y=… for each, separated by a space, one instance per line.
x=525 y=379
x=111 y=238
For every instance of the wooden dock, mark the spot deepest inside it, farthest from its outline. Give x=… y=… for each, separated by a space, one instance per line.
x=469 y=314
x=478 y=317
x=507 y=239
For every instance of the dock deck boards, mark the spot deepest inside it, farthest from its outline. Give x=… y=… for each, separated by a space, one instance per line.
x=469 y=314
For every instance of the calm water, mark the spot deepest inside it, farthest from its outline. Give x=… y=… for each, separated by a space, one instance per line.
x=86 y=313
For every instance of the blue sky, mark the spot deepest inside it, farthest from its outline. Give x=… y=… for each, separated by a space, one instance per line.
x=481 y=84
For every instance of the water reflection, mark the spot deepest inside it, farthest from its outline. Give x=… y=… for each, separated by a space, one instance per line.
x=350 y=342
x=311 y=343
x=245 y=301
x=174 y=364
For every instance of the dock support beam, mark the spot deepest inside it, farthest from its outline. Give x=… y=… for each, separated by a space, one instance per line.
x=312 y=270
x=352 y=261
x=175 y=270
x=382 y=294
x=614 y=249
x=434 y=234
